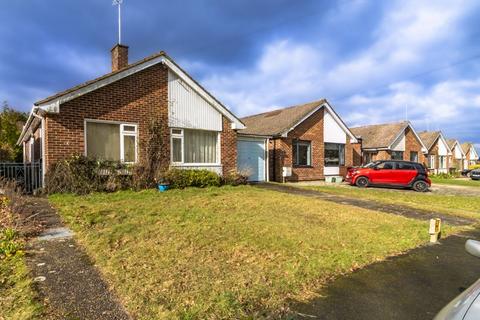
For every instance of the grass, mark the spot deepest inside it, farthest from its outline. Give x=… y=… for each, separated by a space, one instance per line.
x=17 y=298
x=464 y=206
x=230 y=252
x=456 y=182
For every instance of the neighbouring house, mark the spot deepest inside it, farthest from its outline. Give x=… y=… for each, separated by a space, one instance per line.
x=298 y=143
x=398 y=141
x=108 y=118
x=438 y=151
x=457 y=157
x=471 y=155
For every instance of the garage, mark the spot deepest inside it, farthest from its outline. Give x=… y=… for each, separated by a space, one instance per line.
x=252 y=158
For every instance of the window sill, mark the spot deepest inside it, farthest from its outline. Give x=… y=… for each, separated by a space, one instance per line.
x=306 y=166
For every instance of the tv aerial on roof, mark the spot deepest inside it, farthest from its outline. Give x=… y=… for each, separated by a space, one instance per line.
x=119 y=3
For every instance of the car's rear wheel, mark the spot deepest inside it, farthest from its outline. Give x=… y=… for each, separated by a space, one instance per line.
x=420 y=186
x=362 y=182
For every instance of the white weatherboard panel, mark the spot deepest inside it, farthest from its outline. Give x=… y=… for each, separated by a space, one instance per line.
x=332 y=131
x=458 y=153
x=473 y=154
x=442 y=148
x=399 y=145
x=331 y=171
x=187 y=109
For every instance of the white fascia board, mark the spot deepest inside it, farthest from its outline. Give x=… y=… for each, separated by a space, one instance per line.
x=27 y=124
x=334 y=116
x=236 y=123
x=53 y=106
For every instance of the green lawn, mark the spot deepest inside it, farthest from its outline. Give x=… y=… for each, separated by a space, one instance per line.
x=466 y=206
x=17 y=297
x=229 y=252
x=456 y=182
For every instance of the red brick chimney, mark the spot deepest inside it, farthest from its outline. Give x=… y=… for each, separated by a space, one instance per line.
x=119 y=57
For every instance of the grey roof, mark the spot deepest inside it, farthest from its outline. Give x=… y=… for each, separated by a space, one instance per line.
x=379 y=135
x=429 y=138
x=276 y=122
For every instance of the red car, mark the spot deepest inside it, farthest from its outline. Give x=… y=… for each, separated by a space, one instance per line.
x=391 y=173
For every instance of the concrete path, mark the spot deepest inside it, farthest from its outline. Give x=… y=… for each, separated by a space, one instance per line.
x=369 y=204
x=413 y=286
x=65 y=277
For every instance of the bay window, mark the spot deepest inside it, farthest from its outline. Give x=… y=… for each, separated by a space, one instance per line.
x=443 y=162
x=111 y=141
x=194 y=146
x=301 y=153
x=334 y=154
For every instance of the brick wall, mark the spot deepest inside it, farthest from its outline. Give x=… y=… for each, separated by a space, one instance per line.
x=139 y=98
x=312 y=129
x=228 y=147
x=412 y=145
x=356 y=151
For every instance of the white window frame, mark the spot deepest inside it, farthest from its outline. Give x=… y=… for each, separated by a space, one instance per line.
x=432 y=161
x=181 y=136
x=442 y=162
x=121 y=125
x=295 y=145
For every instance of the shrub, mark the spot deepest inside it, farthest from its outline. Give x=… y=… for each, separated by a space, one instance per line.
x=474 y=167
x=443 y=176
x=179 y=178
x=82 y=175
x=234 y=178
x=9 y=244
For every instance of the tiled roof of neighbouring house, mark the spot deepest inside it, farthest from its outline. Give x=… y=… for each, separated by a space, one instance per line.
x=379 y=135
x=451 y=143
x=429 y=138
x=466 y=146
x=276 y=122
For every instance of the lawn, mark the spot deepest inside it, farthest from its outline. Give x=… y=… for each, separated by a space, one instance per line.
x=456 y=182
x=465 y=206
x=229 y=252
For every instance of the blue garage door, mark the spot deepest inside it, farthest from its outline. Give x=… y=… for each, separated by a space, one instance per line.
x=251 y=158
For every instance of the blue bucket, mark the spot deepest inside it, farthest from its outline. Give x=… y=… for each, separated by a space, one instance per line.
x=163 y=187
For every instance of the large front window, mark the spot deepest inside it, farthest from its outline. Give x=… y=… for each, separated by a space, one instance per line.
x=302 y=153
x=194 y=146
x=334 y=154
x=111 y=141
x=431 y=162
x=397 y=155
x=443 y=162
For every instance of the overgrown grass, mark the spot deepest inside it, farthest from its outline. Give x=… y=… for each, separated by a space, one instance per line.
x=17 y=298
x=456 y=182
x=230 y=252
x=465 y=206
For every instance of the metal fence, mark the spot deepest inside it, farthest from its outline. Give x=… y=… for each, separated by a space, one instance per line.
x=28 y=176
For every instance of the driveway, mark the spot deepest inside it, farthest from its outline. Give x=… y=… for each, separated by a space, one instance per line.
x=412 y=286
x=406 y=211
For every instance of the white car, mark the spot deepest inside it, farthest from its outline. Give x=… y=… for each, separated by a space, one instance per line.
x=467 y=305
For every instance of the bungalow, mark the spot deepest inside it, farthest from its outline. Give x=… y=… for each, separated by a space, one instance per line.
x=109 y=117
x=457 y=156
x=397 y=141
x=438 y=152
x=471 y=155
x=302 y=142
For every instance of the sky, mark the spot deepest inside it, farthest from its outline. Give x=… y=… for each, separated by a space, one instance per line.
x=375 y=61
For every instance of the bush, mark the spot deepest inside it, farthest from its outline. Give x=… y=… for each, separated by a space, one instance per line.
x=442 y=176
x=82 y=175
x=474 y=167
x=179 y=178
x=234 y=178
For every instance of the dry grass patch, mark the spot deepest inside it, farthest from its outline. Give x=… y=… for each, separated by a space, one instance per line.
x=230 y=252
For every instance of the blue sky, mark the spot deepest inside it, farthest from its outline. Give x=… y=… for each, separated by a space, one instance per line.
x=372 y=59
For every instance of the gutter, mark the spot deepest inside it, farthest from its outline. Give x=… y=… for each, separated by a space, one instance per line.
x=26 y=125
